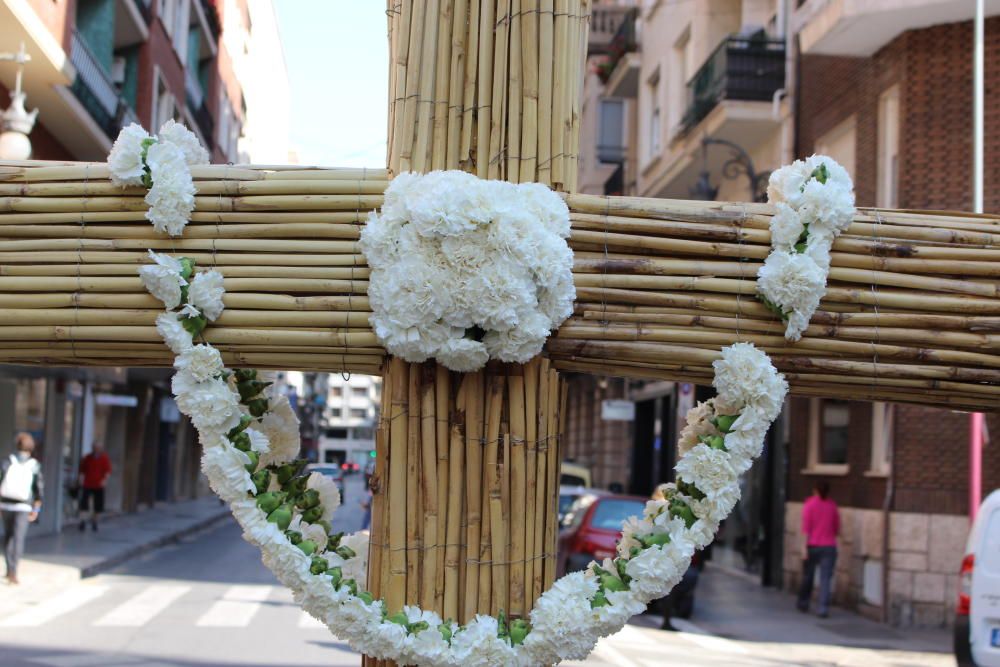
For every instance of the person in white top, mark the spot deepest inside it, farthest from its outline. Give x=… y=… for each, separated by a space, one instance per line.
x=21 y=488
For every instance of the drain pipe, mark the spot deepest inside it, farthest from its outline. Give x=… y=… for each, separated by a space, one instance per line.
x=890 y=490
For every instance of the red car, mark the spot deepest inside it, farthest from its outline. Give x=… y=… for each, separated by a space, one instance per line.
x=592 y=526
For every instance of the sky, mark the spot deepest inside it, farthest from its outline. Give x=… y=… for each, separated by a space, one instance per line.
x=337 y=58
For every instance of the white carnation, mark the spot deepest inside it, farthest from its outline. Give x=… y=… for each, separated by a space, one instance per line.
x=795 y=283
x=477 y=644
x=163 y=279
x=745 y=376
x=200 y=363
x=786 y=227
x=177 y=338
x=212 y=406
x=224 y=466
x=175 y=133
x=463 y=355
x=558 y=618
x=711 y=472
x=206 y=293
x=125 y=160
x=258 y=441
x=697 y=424
x=281 y=427
x=521 y=343
x=171 y=199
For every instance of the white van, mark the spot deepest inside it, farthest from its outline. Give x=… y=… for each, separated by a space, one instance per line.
x=977 y=622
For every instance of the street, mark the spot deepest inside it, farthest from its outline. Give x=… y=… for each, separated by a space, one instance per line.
x=208 y=601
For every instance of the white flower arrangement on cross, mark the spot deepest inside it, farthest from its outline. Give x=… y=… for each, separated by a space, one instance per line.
x=462 y=226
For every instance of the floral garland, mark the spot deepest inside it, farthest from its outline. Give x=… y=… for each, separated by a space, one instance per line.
x=465 y=270
x=815 y=203
x=250 y=438
x=162 y=164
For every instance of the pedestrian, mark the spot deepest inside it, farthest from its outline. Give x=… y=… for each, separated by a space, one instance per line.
x=21 y=488
x=366 y=505
x=820 y=528
x=95 y=468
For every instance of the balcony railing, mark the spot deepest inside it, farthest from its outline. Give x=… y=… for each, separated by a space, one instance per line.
x=95 y=91
x=192 y=88
x=623 y=42
x=604 y=24
x=741 y=68
x=206 y=124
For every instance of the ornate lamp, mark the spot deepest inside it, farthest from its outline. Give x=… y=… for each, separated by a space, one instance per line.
x=15 y=122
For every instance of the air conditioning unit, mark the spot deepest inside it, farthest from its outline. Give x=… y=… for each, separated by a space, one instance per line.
x=118 y=71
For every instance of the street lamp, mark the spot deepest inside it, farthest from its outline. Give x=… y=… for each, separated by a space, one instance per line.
x=16 y=123
x=739 y=164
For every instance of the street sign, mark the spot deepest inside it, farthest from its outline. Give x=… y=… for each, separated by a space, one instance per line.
x=120 y=400
x=617 y=410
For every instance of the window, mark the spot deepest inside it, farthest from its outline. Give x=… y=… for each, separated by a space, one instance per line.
x=655 y=120
x=883 y=416
x=681 y=68
x=336 y=392
x=229 y=128
x=175 y=16
x=164 y=102
x=829 y=426
x=887 y=194
x=336 y=413
x=358 y=413
x=336 y=433
x=360 y=391
x=839 y=143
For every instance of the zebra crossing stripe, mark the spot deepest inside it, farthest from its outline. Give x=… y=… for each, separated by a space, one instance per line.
x=142 y=608
x=236 y=609
x=54 y=607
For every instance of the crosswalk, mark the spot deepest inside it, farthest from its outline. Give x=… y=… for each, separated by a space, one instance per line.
x=104 y=606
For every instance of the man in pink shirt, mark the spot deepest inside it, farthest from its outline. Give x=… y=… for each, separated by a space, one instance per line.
x=820 y=527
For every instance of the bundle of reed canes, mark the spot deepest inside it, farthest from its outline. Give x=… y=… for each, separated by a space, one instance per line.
x=911 y=311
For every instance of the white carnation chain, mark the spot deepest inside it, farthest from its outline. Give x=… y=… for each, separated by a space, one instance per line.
x=250 y=437
x=465 y=270
x=815 y=203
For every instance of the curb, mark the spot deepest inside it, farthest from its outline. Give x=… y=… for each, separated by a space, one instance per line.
x=141 y=549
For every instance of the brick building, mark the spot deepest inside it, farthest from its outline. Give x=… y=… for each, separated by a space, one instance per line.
x=887 y=91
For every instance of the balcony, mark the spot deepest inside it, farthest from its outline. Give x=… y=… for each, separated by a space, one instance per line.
x=859 y=28
x=206 y=125
x=95 y=91
x=131 y=22
x=620 y=74
x=745 y=69
x=604 y=24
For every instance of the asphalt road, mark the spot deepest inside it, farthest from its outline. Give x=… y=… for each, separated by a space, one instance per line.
x=208 y=602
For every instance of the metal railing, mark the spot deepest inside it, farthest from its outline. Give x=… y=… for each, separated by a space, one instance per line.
x=740 y=68
x=206 y=124
x=604 y=24
x=96 y=92
x=623 y=42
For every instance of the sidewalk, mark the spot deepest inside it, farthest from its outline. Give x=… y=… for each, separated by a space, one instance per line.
x=734 y=607
x=54 y=561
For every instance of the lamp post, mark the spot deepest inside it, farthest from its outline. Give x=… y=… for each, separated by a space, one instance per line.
x=15 y=122
x=739 y=164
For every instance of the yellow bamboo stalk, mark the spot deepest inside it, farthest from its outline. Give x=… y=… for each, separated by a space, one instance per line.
x=518 y=479
x=473 y=495
x=430 y=556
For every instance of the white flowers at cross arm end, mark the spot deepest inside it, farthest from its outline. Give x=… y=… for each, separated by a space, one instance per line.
x=177 y=338
x=171 y=199
x=206 y=293
x=212 y=406
x=163 y=279
x=281 y=426
x=175 y=133
x=199 y=363
x=125 y=160
x=745 y=376
x=451 y=254
x=795 y=283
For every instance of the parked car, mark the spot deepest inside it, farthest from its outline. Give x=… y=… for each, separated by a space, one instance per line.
x=331 y=470
x=592 y=527
x=574 y=474
x=977 y=612
x=569 y=495
x=350 y=467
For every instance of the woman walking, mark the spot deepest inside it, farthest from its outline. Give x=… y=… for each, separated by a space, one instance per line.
x=20 y=499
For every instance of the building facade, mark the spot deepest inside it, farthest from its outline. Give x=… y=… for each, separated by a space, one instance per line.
x=349 y=419
x=674 y=92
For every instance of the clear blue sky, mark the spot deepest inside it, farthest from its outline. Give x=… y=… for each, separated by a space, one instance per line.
x=337 y=57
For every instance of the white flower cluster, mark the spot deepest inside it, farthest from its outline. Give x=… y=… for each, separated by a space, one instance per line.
x=815 y=203
x=161 y=163
x=465 y=270
x=199 y=296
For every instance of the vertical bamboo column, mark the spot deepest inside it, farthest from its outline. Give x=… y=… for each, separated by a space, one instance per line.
x=465 y=493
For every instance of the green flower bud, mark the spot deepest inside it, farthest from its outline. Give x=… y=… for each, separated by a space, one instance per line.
x=333 y=542
x=308 y=547
x=294 y=536
x=254 y=460
x=241 y=441
x=418 y=627
x=312 y=515
x=288 y=470
x=501 y=624
x=187 y=266
x=725 y=422
x=281 y=517
x=600 y=600
x=681 y=510
x=336 y=575
x=519 y=629
x=352 y=586
x=270 y=501
x=612 y=583
x=194 y=325
x=399 y=618
x=257 y=406
x=345 y=551
x=246 y=374
x=820 y=173
x=689 y=489
x=654 y=540
x=445 y=630
x=308 y=500
x=717 y=442
x=318 y=564
x=365 y=597
x=261 y=480
x=620 y=565
x=296 y=486
x=251 y=388
x=245 y=420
